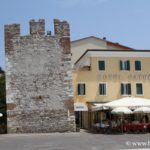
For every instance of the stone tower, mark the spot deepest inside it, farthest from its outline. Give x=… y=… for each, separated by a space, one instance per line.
x=39 y=79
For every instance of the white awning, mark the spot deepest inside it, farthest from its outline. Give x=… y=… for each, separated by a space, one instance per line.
x=80 y=107
x=121 y=110
x=99 y=106
x=142 y=110
x=132 y=102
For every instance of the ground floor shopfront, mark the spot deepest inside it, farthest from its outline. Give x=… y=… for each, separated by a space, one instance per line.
x=86 y=116
x=86 y=119
x=104 y=119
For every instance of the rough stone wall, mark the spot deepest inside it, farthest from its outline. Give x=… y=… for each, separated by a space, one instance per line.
x=38 y=79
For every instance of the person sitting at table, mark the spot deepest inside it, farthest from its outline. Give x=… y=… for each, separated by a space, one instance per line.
x=110 y=124
x=118 y=122
x=114 y=125
x=146 y=119
x=102 y=125
x=97 y=125
x=125 y=122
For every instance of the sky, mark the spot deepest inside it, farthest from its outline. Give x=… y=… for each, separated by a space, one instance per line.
x=124 y=21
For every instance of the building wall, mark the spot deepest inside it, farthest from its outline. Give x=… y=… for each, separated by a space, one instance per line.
x=112 y=47
x=79 y=47
x=113 y=77
x=38 y=79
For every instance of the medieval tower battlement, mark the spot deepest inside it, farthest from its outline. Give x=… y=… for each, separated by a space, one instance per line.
x=38 y=78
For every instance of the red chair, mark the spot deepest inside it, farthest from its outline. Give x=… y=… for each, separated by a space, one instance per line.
x=142 y=127
x=148 y=127
x=127 y=127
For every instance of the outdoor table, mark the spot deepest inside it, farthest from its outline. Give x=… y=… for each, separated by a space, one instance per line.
x=148 y=127
x=140 y=127
x=127 y=127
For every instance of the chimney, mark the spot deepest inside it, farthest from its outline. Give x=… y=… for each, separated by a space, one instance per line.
x=104 y=38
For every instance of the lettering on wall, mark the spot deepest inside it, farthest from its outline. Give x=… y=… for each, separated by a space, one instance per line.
x=142 y=77
x=139 y=77
x=109 y=77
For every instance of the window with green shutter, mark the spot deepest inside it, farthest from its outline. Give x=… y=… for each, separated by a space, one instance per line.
x=137 y=65
x=125 y=89
x=81 y=89
x=125 y=65
x=101 y=65
x=139 y=89
x=102 y=89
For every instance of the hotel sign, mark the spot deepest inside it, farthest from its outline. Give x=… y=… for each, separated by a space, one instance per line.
x=109 y=77
x=143 y=77
x=80 y=107
x=139 y=77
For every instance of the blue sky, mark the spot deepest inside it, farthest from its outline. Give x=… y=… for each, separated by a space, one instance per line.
x=123 y=21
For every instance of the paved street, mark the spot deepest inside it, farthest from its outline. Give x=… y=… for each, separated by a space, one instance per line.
x=74 y=141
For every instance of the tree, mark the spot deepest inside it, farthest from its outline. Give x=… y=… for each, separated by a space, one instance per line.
x=1 y=71
x=3 y=120
x=2 y=91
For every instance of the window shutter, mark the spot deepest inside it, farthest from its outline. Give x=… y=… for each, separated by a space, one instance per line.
x=83 y=89
x=101 y=65
x=129 y=89
x=128 y=65
x=122 y=89
x=100 y=89
x=120 y=65
x=137 y=65
x=104 y=89
x=79 y=89
x=139 y=88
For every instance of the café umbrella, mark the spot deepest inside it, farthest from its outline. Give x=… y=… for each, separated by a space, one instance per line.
x=99 y=106
x=142 y=110
x=131 y=102
x=121 y=111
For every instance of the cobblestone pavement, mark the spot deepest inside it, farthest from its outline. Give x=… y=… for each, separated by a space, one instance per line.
x=74 y=141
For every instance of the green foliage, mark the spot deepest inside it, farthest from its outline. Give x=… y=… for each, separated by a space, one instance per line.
x=1 y=70
x=2 y=91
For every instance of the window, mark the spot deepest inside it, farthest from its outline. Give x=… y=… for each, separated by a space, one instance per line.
x=137 y=65
x=139 y=89
x=101 y=65
x=81 y=89
x=125 y=65
x=126 y=89
x=102 y=89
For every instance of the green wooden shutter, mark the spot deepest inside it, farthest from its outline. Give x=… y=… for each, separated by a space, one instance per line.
x=122 y=88
x=83 y=89
x=121 y=65
x=128 y=65
x=101 y=65
x=79 y=89
x=129 y=89
x=137 y=65
x=139 y=89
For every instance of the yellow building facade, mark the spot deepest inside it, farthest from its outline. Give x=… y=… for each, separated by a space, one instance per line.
x=103 y=75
